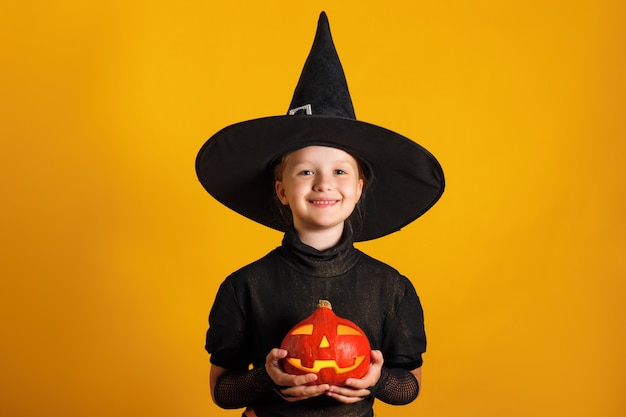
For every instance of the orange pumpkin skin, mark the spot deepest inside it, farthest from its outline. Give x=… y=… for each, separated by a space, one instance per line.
x=332 y=347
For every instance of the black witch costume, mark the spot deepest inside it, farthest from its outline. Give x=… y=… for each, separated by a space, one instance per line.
x=257 y=305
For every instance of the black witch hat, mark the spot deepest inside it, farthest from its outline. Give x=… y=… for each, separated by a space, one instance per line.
x=235 y=165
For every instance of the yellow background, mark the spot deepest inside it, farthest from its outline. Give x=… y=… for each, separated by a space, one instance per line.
x=111 y=252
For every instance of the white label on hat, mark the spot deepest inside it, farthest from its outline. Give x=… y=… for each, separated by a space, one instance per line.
x=306 y=108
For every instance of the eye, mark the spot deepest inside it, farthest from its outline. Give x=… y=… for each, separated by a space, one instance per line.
x=342 y=330
x=306 y=172
x=340 y=172
x=304 y=329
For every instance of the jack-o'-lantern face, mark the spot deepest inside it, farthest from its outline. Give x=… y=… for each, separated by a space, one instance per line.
x=327 y=345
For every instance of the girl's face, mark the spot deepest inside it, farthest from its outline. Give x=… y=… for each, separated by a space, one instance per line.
x=321 y=185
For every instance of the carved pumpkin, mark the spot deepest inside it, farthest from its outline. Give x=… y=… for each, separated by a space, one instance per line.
x=332 y=347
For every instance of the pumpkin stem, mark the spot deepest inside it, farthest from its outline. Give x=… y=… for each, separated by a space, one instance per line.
x=325 y=304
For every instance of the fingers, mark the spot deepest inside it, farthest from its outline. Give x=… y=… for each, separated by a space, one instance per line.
x=275 y=355
x=273 y=368
x=294 y=387
x=291 y=387
x=347 y=395
x=373 y=373
x=376 y=358
x=355 y=389
x=288 y=380
x=302 y=392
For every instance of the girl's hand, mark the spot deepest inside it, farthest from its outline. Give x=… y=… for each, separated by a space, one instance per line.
x=356 y=390
x=291 y=387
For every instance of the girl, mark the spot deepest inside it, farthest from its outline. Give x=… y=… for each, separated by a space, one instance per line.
x=340 y=180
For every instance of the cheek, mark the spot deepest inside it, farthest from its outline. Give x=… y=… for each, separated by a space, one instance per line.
x=293 y=191
x=355 y=191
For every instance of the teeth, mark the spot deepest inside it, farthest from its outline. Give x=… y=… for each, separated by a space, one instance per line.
x=323 y=202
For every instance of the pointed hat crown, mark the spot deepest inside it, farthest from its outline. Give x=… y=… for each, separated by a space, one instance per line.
x=322 y=88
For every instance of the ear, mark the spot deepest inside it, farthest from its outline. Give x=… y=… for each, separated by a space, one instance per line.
x=360 y=191
x=280 y=192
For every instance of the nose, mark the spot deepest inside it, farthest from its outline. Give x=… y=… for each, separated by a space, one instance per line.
x=323 y=182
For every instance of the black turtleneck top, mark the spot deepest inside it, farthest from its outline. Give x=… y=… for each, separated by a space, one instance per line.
x=257 y=305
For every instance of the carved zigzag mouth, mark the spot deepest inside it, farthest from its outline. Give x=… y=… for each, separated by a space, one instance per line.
x=325 y=363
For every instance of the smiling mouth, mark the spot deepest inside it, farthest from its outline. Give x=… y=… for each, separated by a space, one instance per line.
x=323 y=203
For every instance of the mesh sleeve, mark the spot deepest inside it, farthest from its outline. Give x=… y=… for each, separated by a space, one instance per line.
x=396 y=386
x=238 y=389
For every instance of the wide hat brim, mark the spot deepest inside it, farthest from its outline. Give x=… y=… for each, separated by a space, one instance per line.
x=235 y=167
